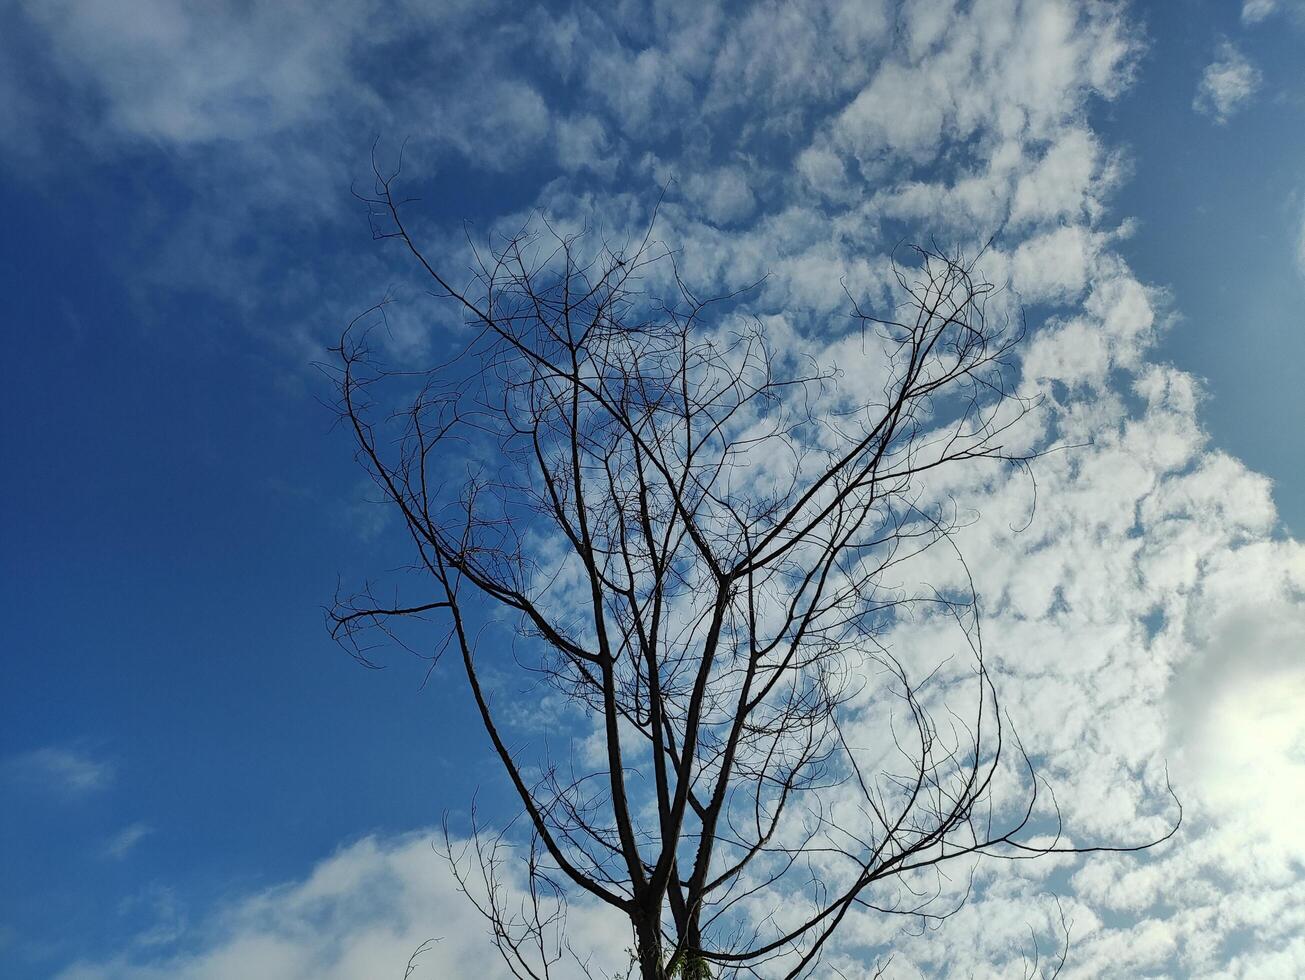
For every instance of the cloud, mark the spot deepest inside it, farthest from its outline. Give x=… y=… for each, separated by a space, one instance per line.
x=788 y=56
x=1227 y=84
x=1068 y=182
x=226 y=73
x=237 y=87
x=1000 y=71
x=724 y=195
x=1256 y=11
x=1150 y=614
x=163 y=914
x=1122 y=617
x=168 y=74
x=261 y=117
x=124 y=841
x=1148 y=618
x=583 y=143
x=1238 y=702
x=361 y=912
x=63 y=771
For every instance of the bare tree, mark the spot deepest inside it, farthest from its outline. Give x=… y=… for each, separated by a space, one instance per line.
x=690 y=535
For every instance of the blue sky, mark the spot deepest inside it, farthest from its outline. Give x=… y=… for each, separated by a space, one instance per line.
x=186 y=760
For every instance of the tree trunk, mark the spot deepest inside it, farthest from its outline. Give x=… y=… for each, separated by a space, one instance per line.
x=648 y=935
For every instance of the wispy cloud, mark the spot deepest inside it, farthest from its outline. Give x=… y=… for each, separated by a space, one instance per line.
x=1254 y=11
x=163 y=916
x=1300 y=243
x=69 y=772
x=1227 y=85
x=124 y=841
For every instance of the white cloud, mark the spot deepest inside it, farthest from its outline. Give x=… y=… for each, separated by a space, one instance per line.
x=1066 y=184
x=1146 y=521
x=825 y=171
x=583 y=143
x=69 y=772
x=244 y=77
x=1003 y=70
x=1254 y=11
x=360 y=913
x=1110 y=606
x=1227 y=84
x=165 y=72
x=723 y=195
x=1054 y=267
x=787 y=56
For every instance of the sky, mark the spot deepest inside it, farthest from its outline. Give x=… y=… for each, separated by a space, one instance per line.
x=198 y=783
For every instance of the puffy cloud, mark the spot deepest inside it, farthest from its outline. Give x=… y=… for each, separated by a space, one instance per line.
x=1108 y=608
x=1001 y=70
x=1066 y=184
x=825 y=171
x=1227 y=84
x=788 y=56
x=1114 y=606
x=1053 y=267
x=1148 y=618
